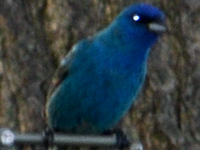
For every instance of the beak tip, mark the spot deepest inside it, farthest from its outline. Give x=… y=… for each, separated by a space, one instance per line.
x=158 y=28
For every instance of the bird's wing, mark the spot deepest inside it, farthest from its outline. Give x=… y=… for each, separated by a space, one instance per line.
x=62 y=71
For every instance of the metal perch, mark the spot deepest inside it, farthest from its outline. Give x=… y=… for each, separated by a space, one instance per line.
x=9 y=138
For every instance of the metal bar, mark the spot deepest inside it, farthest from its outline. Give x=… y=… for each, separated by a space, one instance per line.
x=60 y=139
x=9 y=139
x=85 y=140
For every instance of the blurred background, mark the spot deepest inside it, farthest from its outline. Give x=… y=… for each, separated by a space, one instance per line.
x=36 y=34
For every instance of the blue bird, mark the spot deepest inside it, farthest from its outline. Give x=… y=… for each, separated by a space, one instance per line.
x=101 y=76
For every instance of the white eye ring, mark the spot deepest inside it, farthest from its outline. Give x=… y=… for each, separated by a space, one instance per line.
x=136 y=17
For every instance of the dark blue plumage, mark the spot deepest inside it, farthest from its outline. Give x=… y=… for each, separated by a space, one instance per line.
x=102 y=75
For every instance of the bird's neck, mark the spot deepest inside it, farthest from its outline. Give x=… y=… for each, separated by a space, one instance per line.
x=134 y=45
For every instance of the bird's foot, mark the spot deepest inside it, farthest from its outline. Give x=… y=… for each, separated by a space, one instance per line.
x=48 y=136
x=122 y=140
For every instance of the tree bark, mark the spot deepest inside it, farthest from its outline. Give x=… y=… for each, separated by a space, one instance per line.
x=36 y=34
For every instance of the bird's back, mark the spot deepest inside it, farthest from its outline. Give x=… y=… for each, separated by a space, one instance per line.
x=97 y=90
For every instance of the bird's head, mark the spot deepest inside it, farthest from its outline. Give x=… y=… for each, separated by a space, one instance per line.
x=142 y=21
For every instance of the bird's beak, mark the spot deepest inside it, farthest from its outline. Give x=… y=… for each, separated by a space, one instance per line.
x=157 y=27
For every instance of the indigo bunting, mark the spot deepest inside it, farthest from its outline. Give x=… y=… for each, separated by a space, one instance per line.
x=101 y=76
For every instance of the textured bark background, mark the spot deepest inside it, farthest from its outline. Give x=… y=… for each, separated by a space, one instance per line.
x=36 y=34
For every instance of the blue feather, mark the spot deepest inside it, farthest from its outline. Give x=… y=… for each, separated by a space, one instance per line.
x=104 y=73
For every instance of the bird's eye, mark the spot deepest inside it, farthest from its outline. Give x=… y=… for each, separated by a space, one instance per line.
x=142 y=19
x=136 y=17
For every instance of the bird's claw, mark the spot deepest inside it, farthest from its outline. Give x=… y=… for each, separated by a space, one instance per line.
x=122 y=140
x=48 y=136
